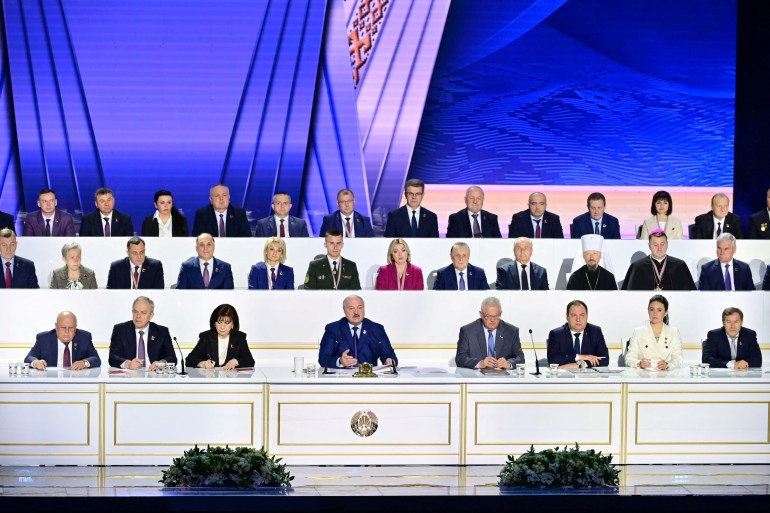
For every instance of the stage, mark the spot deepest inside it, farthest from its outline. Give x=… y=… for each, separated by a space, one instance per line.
x=682 y=488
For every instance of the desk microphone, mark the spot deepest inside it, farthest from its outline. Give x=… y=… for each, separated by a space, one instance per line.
x=537 y=363
x=183 y=373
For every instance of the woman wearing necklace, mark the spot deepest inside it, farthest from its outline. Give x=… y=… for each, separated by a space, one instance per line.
x=167 y=221
x=224 y=345
x=399 y=273
x=661 y=219
x=271 y=273
x=72 y=276
x=656 y=345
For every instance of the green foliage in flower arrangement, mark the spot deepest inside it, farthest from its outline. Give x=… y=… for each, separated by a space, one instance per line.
x=552 y=468
x=242 y=467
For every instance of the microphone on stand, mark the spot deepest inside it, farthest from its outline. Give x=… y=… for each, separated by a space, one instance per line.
x=537 y=363
x=183 y=373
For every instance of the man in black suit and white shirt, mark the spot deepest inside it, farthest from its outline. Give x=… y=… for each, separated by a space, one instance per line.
x=220 y=218
x=140 y=343
x=536 y=222
x=489 y=342
x=106 y=221
x=136 y=271
x=412 y=220
x=759 y=222
x=472 y=221
x=718 y=221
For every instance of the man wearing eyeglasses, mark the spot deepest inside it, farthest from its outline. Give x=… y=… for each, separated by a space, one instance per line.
x=489 y=342
x=412 y=220
x=346 y=220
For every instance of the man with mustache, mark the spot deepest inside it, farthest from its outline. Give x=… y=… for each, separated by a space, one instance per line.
x=354 y=339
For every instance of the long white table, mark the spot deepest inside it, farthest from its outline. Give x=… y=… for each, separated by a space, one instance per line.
x=423 y=415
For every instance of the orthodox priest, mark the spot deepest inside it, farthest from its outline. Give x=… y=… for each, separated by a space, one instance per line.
x=592 y=276
x=658 y=271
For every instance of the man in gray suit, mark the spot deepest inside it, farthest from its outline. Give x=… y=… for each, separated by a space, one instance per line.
x=488 y=342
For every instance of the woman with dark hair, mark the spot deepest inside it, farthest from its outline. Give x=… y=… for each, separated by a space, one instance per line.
x=167 y=221
x=224 y=345
x=656 y=345
x=661 y=219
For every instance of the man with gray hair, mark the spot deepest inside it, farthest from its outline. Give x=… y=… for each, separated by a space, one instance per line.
x=718 y=221
x=140 y=343
x=65 y=346
x=725 y=272
x=489 y=342
x=460 y=274
x=522 y=274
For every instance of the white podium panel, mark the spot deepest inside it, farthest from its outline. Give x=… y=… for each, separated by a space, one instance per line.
x=507 y=419
x=317 y=423
x=47 y=423
x=152 y=424
x=700 y=423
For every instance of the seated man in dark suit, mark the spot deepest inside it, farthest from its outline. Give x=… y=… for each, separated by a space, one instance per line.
x=577 y=343
x=489 y=342
x=18 y=272
x=139 y=342
x=592 y=276
x=281 y=224
x=220 y=218
x=766 y=281
x=354 y=339
x=136 y=271
x=106 y=221
x=205 y=271
x=345 y=219
x=460 y=274
x=332 y=272
x=412 y=220
x=49 y=221
x=658 y=271
x=718 y=221
x=522 y=274
x=732 y=346
x=6 y=221
x=759 y=222
x=472 y=221
x=725 y=273
x=52 y=348
x=596 y=221
x=536 y=222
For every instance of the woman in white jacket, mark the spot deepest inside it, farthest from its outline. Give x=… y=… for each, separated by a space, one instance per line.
x=656 y=345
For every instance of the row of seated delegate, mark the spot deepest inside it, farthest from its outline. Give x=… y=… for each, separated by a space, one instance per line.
x=222 y=219
x=656 y=271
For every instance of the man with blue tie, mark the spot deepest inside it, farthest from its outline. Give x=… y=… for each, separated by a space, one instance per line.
x=281 y=224
x=412 y=220
x=732 y=346
x=18 y=272
x=522 y=274
x=577 y=343
x=596 y=221
x=726 y=273
x=354 y=339
x=472 y=221
x=460 y=274
x=489 y=342
x=65 y=346
x=536 y=222
x=205 y=271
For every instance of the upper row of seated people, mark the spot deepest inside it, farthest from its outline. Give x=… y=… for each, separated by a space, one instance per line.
x=221 y=219
x=657 y=271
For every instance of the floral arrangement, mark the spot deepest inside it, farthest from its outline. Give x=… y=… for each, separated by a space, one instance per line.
x=242 y=467
x=552 y=468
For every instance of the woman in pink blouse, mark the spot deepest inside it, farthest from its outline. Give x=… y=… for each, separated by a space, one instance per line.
x=399 y=274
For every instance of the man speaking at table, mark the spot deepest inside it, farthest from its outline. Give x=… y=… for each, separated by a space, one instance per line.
x=355 y=339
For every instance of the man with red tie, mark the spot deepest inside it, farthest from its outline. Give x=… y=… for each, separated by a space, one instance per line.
x=136 y=271
x=536 y=222
x=65 y=346
x=18 y=272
